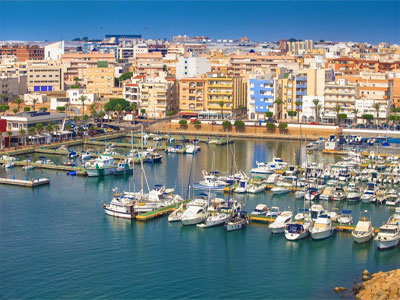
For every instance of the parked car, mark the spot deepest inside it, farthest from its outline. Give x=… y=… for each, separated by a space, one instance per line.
x=314 y=123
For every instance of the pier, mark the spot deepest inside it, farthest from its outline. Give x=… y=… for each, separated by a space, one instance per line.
x=25 y=183
x=160 y=212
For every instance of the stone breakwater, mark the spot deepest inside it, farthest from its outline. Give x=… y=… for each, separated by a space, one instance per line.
x=380 y=286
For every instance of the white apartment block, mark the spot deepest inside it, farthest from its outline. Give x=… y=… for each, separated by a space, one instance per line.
x=74 y=96
x=190 y=67
x=54 y=51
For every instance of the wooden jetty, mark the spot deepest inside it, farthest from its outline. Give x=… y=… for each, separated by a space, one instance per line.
x=26 y=183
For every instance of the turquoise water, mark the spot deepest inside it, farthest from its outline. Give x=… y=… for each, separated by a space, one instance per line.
x=56 y=241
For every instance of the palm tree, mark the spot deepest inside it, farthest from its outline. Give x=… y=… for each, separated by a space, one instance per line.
x=338 y=108
x=93 y=112
x=76 y=79
x=298 y=104
x=134 y=107
x=83 y=98
x=221 y=104
x=57 y=127
x=22 y=133
x=9 y=134
x=316 y=103
x=66 y=108
x=279 y=103
x=15 y=110
x=18 y=101
x=49 y=128
x=142 y=111
x=39 y=128
x=118 y=109
x=377 y=106
x=101 y=115
x=319 y=107
x=355 y=112
x=31 y=131
x=34 y=101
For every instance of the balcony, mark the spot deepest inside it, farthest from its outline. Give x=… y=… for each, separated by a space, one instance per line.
x=301 y=79
x=301 y=86
x=267 y=89
x=301 y=93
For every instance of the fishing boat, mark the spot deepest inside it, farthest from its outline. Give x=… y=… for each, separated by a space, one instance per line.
x=363 y=231
x=345 y=218
x=120 y=207
x=237 y=222
x=123 y=168
x=261 y=209
x=101 y=166
x=279 y=225
x=322 y=228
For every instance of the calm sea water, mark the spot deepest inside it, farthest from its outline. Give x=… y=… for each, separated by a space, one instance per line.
x=56 y=242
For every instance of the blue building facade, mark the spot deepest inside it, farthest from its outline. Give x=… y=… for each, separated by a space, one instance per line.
x=261 y=97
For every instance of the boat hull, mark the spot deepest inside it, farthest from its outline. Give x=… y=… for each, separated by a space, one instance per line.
x=296 y=236
x=231 y=226
x=278 y=230
x=359 y=239
x=193 y=221
x=99 y=171
x=387 y=244
x=321 y=235
x=117 y=214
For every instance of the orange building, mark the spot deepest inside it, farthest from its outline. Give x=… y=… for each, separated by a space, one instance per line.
x=353 y=66
x=192 y=94
x=396 y=92
x=23 y=53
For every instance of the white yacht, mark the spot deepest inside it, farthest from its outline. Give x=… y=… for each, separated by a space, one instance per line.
x=345 y=217
x=273 y=179
x=388 y=236
x=322 y=228
x=279 y=225
x=176 y=215
x=261 y=209
x=120 y=207
x=210 y=182
x=296 y=231
x=392 y=198
x=316 y=210
x=369 y=194
x=256 y=187
x=262 y=168
x=338 y=194
x=237 y=222
x=191 y=149
x=195 y=212
x=218 y=218
x=299 y=194
x=101 y=166
x=242 y=187
x=302 y=214
x=273 y=212
x=363 y=231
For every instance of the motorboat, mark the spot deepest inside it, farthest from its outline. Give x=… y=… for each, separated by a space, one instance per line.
x=273 y=212
x=28 y=167
x=299 y=194
x=9 y=165
x=273 y=179
x=338 y=194
x=261 y=209
x=316 y=210
x=210 y=182
x=388 y=236
x=242 y=187
x=218 y=218
x=191 y=149
x=123 y=168
x=312 y=194
x=277 y=190
x=194 y=214
x=392 y=199
x=120 y=207
x=302 y=214
x=326 y=194
x=369 y=194
x=334 y=215
x=279 y=225
x=256 y=187
x=237 y=222
x=101 y=166
x=296 y=231
x=176 y=215
x=322 y=228
x=363 y=231
x=345 y=217
x=86 y=155
x=353 y=193
x=262 y=168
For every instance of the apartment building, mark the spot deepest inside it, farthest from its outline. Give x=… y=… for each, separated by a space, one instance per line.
x=149 y=64
x=343 y=93
x=157 y=97
x=9 y=85
x=353 y=66
x=131 y=90
x=23 y=52
x=100 y=80
x=262 y=92
x=396 y=92
x=190 y=66
x=240 y=65
x=300 y=46
x=44 y=76
x=54 y=51
x=192 y=94
x=231 y=91
x=75 y=65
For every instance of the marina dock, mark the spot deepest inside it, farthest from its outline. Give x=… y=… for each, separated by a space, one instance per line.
x=26 y=183
x=159 y=212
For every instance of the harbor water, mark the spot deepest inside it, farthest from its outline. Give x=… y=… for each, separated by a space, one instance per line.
x=56 y=241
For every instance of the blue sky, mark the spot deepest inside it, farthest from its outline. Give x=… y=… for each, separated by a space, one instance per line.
x=359 y=21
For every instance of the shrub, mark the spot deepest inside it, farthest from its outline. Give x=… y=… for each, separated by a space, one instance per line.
x=239 y=124
x=26 y=108
x=271 y=125
x=226 y=124
x=43 y=108
x=75 y=86
x=60 y=108
x=182 y=122
x=342 y=116
x=282 y=125
x=269 y=114
x=292 y=113
x=197 y=122
x=394 y=118
x=170 y=113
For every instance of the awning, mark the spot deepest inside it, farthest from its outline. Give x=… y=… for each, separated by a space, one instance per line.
x=188 y=113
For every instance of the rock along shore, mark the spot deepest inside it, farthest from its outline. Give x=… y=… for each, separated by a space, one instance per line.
x=380 y=286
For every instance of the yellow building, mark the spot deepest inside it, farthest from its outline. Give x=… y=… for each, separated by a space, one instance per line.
x=192 y=94
x=100 y=80
x=231 y=91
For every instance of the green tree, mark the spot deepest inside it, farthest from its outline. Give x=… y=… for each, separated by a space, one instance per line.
x=283 y=125
x=298 y=104
x=269 y=114
x=341 y=117
x=182 y=122
x=316 y=103
x=31 y=131
x=133 y=107
x=93 y=112
x=101 y=115
x=22 y=133
x=42 y=108
x=57 y=127
x=26 y=108
x=15 y=110
x=60 y=108
x=83 y=98
x=279 y=103
x=3 y=98
x=221 y=104
x=226 y=125
x=292 y=113
x=112 y=103
x=18 y=101
x=9 y=134
x=76 y=79
x=270 y=125
x=239 y=124
x=67 y=126
x=49 y=128
x=368 y=117
x=142 y=111
x=118 y=109
x=377 y=106
x=337 y=108
x=125 y=76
